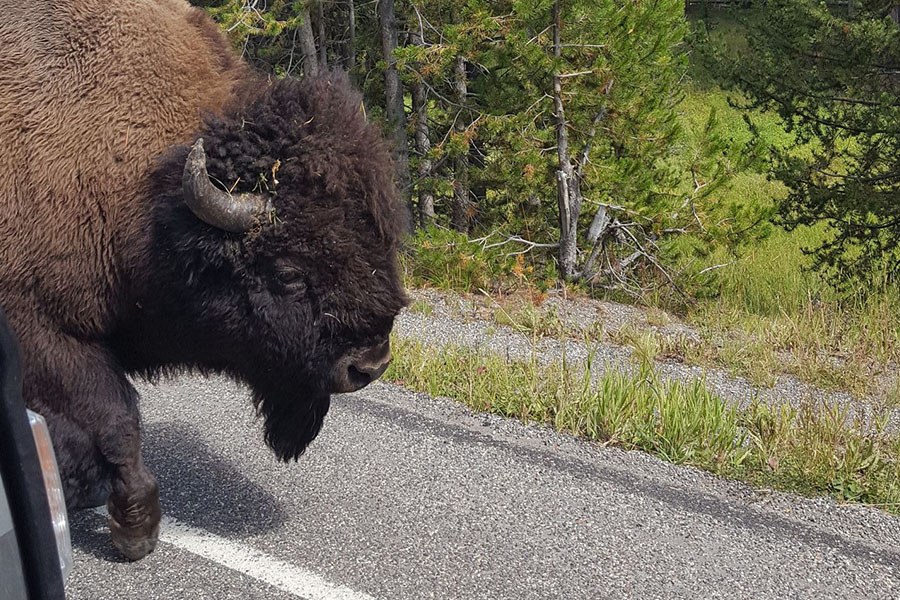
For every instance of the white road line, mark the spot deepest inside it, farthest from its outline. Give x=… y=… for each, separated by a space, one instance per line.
x=251 y=562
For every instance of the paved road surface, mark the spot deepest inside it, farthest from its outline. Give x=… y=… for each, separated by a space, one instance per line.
x=406 y=497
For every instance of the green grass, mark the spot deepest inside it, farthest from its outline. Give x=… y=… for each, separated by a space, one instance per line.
x=812 y=450
x=646 y=344
x=770 y=298
x=421 y=307
x=523 y=316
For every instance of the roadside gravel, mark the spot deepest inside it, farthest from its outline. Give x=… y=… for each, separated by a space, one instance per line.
x=454 y=319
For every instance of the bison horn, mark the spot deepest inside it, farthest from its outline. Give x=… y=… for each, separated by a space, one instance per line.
x=231 y=212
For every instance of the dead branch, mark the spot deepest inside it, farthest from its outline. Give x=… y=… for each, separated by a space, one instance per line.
x=511 y=239
x=714 y=267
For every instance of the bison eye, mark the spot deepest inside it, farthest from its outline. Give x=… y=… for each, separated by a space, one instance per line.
x=290 y=276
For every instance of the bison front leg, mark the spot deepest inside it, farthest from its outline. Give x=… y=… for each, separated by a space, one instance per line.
x=134 y=512
x=82 y=387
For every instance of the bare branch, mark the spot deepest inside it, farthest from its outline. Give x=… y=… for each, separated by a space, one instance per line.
x=714 y=267
x=578 y=74
x=539 y=34
x=511 y=239
x=654 y=262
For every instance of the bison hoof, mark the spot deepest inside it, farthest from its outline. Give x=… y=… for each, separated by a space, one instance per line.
x=133 y=543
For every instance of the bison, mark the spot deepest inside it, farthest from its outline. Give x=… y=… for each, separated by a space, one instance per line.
x=164 y=208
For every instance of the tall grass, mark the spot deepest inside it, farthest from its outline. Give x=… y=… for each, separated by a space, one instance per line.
x=770 y=300
x=815 y=449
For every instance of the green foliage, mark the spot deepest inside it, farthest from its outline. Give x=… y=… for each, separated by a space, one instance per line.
x=261 y=34
x=242 y=20
x=449 y=260
x=832 y=81
x=266 y=33
x=618 y=61
x=622 y=66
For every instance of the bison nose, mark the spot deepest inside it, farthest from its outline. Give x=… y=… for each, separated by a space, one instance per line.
x=359 y=368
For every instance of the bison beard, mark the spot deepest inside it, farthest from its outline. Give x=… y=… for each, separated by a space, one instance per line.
x=291 y=426
x=120 y=257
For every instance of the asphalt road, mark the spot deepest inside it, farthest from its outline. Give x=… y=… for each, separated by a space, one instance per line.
x=407 y=497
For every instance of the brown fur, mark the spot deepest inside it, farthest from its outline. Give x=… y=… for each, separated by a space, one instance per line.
x=105 y=272
x=90 y=93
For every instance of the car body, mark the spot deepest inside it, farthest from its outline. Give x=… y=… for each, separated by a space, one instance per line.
x=35 y=547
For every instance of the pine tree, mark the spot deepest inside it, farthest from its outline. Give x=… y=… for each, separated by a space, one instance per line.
x=833 y=79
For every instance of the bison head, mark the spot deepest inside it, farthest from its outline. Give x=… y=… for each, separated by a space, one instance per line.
x=275 y=239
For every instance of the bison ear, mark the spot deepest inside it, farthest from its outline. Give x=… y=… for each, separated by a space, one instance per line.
x=221 y=209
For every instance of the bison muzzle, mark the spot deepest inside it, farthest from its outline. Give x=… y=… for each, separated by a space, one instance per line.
x=362 y=366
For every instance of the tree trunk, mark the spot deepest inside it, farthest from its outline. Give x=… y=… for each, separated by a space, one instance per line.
x=308 y=45
x=461 y=203
x=568 y=191
x=394 y=100
x=423 y=143
x=351 y=42
x=323 y=41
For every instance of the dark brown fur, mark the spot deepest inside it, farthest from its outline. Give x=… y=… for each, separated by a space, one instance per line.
x=104 y=270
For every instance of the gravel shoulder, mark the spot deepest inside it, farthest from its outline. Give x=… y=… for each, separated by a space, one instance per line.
x=466 y=321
